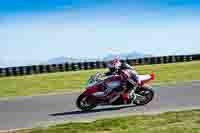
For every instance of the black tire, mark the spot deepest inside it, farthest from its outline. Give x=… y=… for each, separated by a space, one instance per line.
x=143 y=92
x=90 y=106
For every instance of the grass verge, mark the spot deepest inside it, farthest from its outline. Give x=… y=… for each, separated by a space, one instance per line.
x=74 y=81
x=171 y=122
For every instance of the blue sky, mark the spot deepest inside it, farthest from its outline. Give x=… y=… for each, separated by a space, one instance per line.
x=33 y=31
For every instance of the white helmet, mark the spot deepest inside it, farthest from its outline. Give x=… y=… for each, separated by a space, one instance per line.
x=114 y=64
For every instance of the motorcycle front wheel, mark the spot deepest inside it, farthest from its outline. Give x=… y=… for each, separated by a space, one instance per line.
x=85 y=103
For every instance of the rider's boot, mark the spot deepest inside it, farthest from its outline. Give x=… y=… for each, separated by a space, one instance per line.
x=126 y=98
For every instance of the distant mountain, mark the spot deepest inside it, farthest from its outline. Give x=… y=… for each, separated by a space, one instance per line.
x=62 y=59
x=131 y=55
x=3 y=63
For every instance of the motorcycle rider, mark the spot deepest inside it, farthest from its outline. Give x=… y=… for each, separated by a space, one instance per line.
x=115 y=66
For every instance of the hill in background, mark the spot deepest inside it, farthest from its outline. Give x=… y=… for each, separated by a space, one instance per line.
x=62 y=59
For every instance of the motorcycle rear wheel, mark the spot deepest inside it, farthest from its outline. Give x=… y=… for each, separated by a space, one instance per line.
x=147 y=92
x=85 y=103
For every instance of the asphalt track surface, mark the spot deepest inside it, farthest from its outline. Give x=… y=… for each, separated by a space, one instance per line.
x=27 y=112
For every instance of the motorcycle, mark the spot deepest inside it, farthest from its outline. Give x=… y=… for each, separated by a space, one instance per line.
x=97 y=92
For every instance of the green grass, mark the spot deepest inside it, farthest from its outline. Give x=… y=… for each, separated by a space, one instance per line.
x=74 y=81
x=171 y=122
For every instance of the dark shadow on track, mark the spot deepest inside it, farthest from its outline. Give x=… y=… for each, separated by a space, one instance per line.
x=92 y=111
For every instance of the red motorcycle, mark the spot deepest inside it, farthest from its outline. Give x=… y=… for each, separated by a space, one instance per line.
x=98 y=92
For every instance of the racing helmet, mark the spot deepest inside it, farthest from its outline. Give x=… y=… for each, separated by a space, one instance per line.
x=114 y=64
